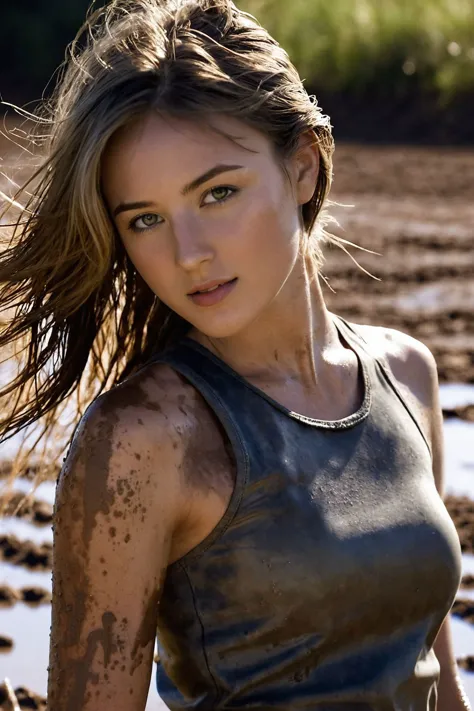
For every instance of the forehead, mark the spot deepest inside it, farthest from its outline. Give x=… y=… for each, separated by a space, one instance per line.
x=180 y=144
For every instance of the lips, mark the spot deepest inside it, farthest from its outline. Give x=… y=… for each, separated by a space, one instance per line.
x=212 y=293
x=210 y=286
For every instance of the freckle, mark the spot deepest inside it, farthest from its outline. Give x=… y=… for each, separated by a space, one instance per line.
x=102 y=560
x=112 y=532
x=175 y=445
x=131 y=691
x=104 y=572
x=118 y=514
x=140 y=421
x=122 y=668
x=124 y=620
x=127 y=538
x=138 y=456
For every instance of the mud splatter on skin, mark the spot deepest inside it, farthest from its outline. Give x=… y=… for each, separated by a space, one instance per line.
x=98 y=497
x=208 y=462
x=147 y=631
x=89 y=501
x=83 y=673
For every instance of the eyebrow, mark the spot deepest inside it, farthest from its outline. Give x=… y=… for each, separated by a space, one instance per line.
x=193 y=185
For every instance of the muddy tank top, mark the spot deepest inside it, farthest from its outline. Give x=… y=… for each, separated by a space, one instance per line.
x=325 y=583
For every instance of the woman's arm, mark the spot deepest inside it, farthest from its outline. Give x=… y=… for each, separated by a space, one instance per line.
x=114 y=515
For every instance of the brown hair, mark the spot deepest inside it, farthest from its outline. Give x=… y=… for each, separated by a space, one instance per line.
x=85 y=316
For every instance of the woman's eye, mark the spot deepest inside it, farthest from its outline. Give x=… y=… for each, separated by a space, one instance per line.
x=144 y=222
x=220 y=193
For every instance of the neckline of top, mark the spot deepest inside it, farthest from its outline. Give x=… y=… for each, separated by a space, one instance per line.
x=343 y=423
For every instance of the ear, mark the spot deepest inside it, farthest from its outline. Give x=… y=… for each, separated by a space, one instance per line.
x=304 y=167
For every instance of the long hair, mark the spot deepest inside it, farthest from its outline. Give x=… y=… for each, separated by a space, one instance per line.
x=82 y=316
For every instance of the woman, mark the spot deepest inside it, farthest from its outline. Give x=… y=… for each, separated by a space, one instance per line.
x=261 y=488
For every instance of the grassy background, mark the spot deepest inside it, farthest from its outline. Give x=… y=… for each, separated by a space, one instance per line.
x=350 y=45
x=418 y=52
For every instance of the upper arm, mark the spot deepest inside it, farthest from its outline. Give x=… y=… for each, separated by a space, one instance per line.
x=113 y=522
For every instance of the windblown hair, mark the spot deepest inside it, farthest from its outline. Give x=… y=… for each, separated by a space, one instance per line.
x=84 y=317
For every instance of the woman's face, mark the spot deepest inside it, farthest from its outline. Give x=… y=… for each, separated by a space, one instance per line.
x=193 y=207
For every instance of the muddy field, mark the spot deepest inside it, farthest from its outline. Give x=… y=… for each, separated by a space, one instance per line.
x=415 y=207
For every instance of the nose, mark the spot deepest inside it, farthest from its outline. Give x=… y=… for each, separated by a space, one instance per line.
x=193 y=248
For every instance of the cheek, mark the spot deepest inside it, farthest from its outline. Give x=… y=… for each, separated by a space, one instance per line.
x=270 y=233
x=153 y=261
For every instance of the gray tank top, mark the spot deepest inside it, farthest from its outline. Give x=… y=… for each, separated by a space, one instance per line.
x=324 y=585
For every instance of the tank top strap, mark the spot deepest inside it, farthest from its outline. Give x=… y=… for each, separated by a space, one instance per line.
x=382 y=369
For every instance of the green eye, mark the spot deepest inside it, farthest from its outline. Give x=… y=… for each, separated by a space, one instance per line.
x=220 y=193
x=144 y=222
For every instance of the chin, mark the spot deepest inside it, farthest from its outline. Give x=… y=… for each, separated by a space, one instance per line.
x=222 y=327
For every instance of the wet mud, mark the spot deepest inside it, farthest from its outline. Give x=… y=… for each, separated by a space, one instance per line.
x=6 y=644
x=415 y=208
x=26 y=699
x=32 y=596
x=38 y=512
x=461 y=510
x=26 y=553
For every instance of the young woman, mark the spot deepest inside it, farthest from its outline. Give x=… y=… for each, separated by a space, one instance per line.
x=260 y=490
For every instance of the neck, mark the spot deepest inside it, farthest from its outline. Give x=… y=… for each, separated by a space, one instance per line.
x=294 y=339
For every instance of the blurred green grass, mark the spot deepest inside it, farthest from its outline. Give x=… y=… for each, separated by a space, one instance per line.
x=384 y=45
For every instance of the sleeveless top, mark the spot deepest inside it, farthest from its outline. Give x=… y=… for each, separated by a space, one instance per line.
x=325 y=583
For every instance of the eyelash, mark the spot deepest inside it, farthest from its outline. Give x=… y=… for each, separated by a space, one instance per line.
x=132 y=224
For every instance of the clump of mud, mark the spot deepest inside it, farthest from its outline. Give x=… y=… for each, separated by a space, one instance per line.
x=463 y=609
x=37 y=512
x=25 y=698
x=26 y=553
x=467 y=582
x=8 y=596
x=6 y=644
x=32 y=596
x=466 y=663
x=463 y=413
x=461 y=510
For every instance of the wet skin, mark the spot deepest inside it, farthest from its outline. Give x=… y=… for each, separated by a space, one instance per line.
x=128 y=503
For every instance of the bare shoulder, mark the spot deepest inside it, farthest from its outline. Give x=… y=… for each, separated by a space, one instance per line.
x=410 y=360
x=117 y=508
x=414 y=368
x=127 y=449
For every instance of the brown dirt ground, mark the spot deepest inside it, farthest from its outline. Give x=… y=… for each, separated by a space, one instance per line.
x=415 y=207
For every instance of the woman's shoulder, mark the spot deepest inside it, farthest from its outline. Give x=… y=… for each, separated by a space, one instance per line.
x=156 y=401
x=144 y=422
x=410 y=360
x=413 y=367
